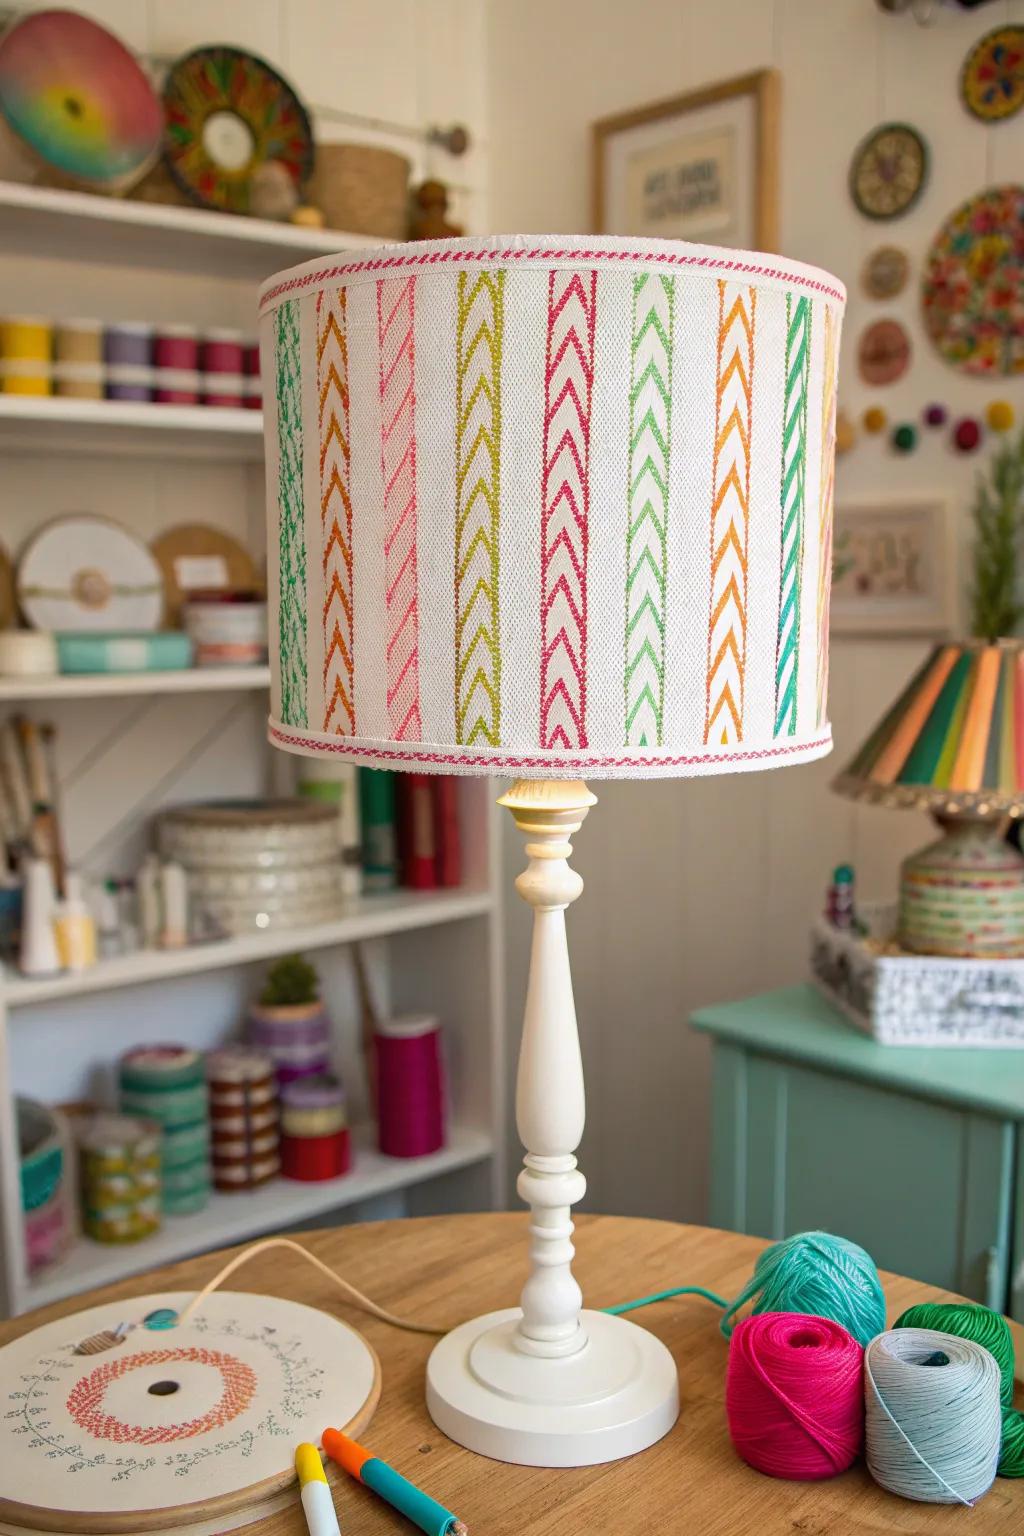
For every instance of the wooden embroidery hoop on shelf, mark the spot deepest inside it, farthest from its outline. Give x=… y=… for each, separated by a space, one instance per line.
x=241 y=1383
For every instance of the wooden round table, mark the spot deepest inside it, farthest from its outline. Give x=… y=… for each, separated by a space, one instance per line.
x=445 y=1269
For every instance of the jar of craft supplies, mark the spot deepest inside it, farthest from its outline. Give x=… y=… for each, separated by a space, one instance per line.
x=252 y=397
x=167 y=1084
x=78 y=359
x=227 y=628
x=128 y=356
x=315 y=1141
x=244 y=1128
x=120 y=1177
x=176 y=365
x=410 y=1085
x=222 y=362
x=46 y=1177
x=26 y=347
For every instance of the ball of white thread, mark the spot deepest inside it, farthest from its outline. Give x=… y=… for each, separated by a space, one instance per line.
x=933 y=1422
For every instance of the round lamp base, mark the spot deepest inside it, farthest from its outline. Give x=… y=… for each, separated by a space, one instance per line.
x=964 y=895
x=615 y=1396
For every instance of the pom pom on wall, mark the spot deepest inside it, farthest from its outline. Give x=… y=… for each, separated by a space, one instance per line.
x=818 y=1274
x=793 y=1395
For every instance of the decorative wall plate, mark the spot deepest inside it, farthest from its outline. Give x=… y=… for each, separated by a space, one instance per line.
x=83 y=572
x=74 y=96
x=191 y=1428
x=992 y=80
x=972 y=286
x=885 y=272
x=883 y=354
x=888 y=171
x=228 y=113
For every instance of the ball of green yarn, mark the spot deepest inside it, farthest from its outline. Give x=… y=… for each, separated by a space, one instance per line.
x=990 y=1329
x=820 y=1274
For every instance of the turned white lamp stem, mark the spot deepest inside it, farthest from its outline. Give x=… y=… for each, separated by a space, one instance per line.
x=550 y=1105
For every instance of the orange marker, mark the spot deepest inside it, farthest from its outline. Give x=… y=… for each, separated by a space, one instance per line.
x=396 y=1490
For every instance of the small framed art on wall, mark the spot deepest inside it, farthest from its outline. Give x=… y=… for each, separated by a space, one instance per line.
x=892 y=572
x=699 y=167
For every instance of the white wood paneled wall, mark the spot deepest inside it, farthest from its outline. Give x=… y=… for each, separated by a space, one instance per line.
x=702 y=891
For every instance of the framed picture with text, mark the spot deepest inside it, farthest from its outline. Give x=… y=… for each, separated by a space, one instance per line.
x=892 y=569
x=700 y=167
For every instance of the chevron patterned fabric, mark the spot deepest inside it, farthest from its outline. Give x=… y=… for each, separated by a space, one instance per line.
x=479 y=332
x=730 y=515
x=794 y=475
x=572 y=512
x=650 y=439
x=335 y=510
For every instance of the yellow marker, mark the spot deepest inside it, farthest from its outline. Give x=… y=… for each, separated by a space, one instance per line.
x=317 y=1503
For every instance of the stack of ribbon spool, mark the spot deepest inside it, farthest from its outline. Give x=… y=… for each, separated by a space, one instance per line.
x=315 y=1141
x=46 y=1167
x=120 y=1177
x=167 y=1084
x=243 y=1118
x=296 y=1039
x=813 y=1378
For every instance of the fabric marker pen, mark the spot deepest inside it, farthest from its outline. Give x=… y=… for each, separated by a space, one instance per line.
x=317 y=1503
x=395 y=1489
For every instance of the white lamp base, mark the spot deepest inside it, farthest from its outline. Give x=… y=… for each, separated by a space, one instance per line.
x=615 y=1396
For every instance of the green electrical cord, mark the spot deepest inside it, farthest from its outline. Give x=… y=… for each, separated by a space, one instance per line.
x=680 y=1290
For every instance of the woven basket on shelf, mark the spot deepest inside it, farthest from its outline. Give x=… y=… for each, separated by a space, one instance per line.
x=362 y=189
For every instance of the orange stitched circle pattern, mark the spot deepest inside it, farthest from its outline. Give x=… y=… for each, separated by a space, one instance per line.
x=85 y=1403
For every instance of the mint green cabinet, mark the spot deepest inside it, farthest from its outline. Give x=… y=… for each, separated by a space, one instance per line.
x=914 y=1153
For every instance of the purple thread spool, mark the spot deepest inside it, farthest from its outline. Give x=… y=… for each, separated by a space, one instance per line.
x=410 y=1090
x=297 y=1039
x=128 y=355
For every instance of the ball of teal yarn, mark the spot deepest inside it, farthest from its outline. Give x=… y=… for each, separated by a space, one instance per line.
x=990 y=1329
x=820 y=1274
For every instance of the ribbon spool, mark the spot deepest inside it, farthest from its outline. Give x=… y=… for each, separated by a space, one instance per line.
x=934 y=1422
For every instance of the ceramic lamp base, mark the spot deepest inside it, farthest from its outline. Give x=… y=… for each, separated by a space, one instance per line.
x=615 y=1396
x=964 y=895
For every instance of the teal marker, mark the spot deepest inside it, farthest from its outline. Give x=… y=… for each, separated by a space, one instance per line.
x=396 y=1490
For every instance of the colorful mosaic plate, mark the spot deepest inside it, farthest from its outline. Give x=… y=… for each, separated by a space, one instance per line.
x=972 y=287
x=228 y=113
x=77 y=99
x=888 y=171
x=992 y=81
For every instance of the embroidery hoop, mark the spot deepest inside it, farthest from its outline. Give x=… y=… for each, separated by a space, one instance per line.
x=310 y=1370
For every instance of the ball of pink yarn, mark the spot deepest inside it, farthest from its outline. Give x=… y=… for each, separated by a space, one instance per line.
x=794 y=1395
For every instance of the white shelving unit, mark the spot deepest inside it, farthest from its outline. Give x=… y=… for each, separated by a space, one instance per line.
x=131 y=744
x=122 y=685
x=55 y=424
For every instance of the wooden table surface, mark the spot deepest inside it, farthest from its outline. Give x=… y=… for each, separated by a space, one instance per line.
x=445 y=1269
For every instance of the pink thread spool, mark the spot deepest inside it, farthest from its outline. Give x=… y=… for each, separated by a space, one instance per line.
x=176 y=361
x=222 y=360
x=410 y=1091
x=794 y=1395
x=253 y=397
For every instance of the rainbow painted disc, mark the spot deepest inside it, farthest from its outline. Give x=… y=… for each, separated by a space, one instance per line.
x=77 y=98
x=972 y=287
x=227 y=114
x=992 y=82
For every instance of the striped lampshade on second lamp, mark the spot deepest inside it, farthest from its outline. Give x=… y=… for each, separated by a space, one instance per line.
x=954 y=740
x=551 y=507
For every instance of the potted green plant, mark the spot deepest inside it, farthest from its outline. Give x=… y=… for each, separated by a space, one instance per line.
x=288 y=1019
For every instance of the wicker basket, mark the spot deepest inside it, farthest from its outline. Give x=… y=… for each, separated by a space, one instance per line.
x=362 y=189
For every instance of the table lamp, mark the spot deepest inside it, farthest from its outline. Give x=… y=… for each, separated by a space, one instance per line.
x=554 y=509
x=953 y=744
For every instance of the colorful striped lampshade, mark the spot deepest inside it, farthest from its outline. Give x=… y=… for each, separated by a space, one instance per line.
x=554 y=508
x=953 y=742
